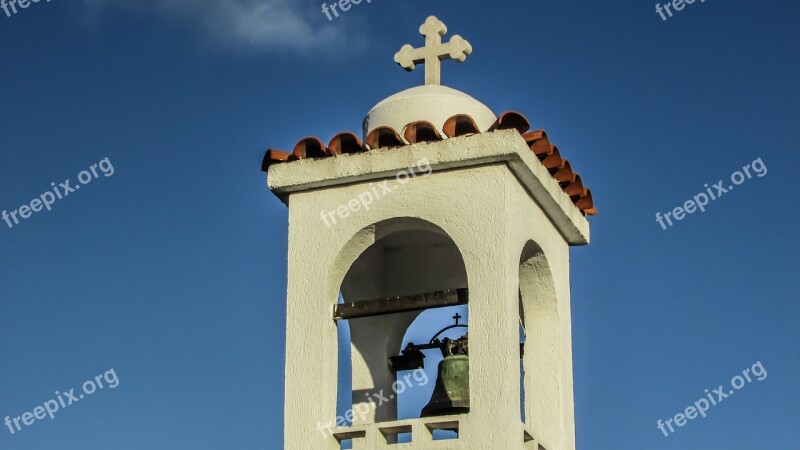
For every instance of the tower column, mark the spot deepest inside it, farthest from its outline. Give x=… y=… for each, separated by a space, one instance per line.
x=494 y=420
x=374 y=340
x=311 y=348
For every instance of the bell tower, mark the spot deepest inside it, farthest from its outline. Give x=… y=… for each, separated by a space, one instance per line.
x=440 y=202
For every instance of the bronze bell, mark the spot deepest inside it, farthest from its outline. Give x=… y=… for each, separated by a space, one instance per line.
x=451 y=392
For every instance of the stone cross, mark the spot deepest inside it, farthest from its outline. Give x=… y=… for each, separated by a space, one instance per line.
x=434 y=51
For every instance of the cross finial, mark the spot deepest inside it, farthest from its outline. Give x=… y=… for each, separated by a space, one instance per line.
x=434 y=51
x=457 y=317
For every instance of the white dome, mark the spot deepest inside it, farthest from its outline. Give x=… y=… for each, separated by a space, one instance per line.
x=432 y=103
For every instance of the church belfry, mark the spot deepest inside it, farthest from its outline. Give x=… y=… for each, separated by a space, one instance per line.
x=439 y=202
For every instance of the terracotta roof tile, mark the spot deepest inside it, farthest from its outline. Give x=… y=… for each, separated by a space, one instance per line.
x=511 y=120
x=310 y=147
x=553 y=161
x=458 y=125
x=274 y=157
x=565 y=173
x=586 y=204
x=383 y=137
x=538 y=142
x=421 y=131
x=575 y=188
x=344 y=143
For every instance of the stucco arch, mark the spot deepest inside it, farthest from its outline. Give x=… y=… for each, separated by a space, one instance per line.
x=543 y=360
x=393 y=257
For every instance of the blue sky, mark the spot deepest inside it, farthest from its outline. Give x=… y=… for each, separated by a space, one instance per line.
x=173 y=270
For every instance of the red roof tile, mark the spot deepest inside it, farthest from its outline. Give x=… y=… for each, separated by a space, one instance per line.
x=511 y=119
x=344 y=143
x=586 y=204
x=460 y=125
x=565 y=173
x=421 y=131
x=274 y=157
x=310 y=147
x=383 y=137
x=538 y=142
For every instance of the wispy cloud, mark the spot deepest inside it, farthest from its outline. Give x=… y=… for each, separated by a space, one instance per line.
x=249 y=25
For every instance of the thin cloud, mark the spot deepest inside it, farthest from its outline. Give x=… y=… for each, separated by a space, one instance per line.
x=249 y=25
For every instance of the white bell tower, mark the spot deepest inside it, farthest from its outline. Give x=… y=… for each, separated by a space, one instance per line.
x=442 y=203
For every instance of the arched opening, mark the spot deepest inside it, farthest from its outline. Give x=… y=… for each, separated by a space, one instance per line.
x=344 y=391
x=521 y=363
x=543 y=351
x=400 y=268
